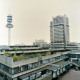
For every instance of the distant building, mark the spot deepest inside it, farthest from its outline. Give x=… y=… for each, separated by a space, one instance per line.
x=59 y=32
x=73 y=46
x=41 y=43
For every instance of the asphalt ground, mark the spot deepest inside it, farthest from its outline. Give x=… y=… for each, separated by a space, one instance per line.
x=70 y=75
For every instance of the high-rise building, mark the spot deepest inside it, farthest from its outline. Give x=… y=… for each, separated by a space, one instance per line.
x=59 y=32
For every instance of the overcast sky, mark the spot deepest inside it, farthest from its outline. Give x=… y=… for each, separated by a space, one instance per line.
x=31 y=19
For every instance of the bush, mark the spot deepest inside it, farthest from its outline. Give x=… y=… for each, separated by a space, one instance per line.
x=39 y=54
x=9 y=54
x=15 y=58
x=49 y=53
x=19 y=58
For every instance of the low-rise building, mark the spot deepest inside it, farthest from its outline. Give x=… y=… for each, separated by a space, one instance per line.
x=41 y=43
x=29 y=62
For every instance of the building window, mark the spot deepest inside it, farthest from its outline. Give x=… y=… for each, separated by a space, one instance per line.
x=27 y=78
x=32 y=77
x=45 y=61
x=48 y=72
x=38 y=75
x=30 y=66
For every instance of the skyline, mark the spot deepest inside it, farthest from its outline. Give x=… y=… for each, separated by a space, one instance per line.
x=38 y=14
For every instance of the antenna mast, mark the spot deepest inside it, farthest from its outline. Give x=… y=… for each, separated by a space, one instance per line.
x=9 y=26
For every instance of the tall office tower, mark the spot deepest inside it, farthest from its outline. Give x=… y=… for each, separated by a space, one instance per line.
x=59 y=32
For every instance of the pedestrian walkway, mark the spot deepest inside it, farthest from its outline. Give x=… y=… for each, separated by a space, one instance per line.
x=70 y=75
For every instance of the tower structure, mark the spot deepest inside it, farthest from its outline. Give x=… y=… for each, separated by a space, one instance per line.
x=9 y=26
x=59 y=32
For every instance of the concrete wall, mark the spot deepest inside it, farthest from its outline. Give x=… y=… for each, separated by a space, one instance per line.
x=8 y=61
x=24 y=62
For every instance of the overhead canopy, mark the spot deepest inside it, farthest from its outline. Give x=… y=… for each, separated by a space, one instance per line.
x=52 y=68
x=62 y=63
x=28 y=74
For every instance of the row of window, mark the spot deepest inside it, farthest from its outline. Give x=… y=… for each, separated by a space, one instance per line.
x=33 y=76
x=21 y=50
x=57 y=33
x=58 y=36
x=57 y=29
x=61 y=26
x=58 y=41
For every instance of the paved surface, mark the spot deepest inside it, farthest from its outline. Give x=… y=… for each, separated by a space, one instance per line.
x=70 y=75
x=1 y=78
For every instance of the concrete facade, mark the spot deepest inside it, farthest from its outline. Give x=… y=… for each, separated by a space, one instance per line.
x=12 y=70
x=59 y=31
